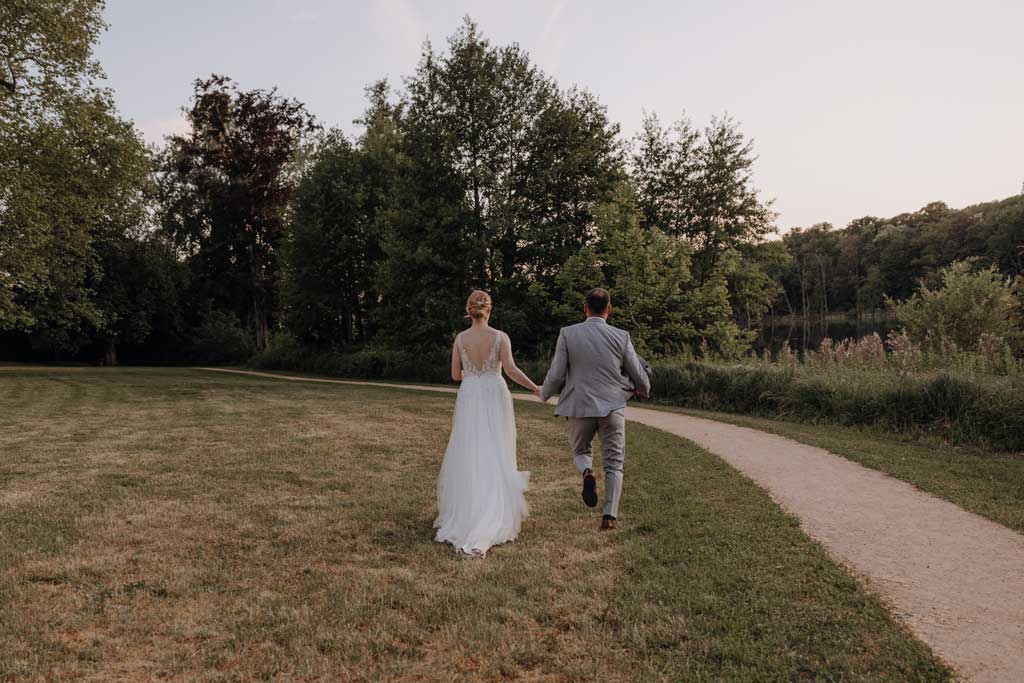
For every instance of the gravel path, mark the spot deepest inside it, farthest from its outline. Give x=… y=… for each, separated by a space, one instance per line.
x=955 y=578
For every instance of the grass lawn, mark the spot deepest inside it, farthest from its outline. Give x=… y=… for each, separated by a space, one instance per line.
x=190 y=526
x=987 y=483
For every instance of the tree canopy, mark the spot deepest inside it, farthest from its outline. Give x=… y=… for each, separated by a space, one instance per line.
x=480 y=172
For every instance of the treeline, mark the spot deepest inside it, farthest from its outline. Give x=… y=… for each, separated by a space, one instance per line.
x=259 y=228
x=854 y=269
x=258 y=225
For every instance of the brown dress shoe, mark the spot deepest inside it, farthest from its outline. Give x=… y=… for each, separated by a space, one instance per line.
x=607 y=523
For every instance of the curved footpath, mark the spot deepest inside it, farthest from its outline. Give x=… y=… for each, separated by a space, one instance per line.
x=955 y=578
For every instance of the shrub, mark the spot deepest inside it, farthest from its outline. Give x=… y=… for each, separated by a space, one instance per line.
x=425 y=366
x=968 y=305
x=221 y=338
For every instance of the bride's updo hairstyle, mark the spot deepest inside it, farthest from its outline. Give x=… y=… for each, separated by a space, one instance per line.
x=478 y=304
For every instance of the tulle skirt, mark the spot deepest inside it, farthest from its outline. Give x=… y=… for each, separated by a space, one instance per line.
x=479 y=491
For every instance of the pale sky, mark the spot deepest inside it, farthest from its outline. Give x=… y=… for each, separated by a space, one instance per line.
x=855 y=108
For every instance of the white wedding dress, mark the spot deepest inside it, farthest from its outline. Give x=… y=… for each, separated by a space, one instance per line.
x=479 y=491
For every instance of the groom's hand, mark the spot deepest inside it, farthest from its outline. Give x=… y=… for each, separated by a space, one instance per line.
x=641 y=394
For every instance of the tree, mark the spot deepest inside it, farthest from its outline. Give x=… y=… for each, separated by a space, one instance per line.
x=47 y=76
x=698 y=186
x=666 y=168
x=225 y=189
x=653 y=293
x=46 y=51
x=141 y=297
x=499 y=175
x=90 y=186
x=334 y=248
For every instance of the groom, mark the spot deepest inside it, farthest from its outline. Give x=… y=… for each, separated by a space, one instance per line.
x=596 y=370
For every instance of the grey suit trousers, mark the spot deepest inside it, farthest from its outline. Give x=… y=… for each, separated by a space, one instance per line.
x=612 y=430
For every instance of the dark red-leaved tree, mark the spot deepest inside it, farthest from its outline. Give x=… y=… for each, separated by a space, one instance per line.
x=225 y=188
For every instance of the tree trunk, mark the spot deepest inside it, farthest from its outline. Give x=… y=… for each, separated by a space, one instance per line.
x=262 y=326
x=110 y=353
x=259 y=308
x=803 y=305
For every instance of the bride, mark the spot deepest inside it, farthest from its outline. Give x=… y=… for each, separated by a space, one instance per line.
x=479 y=491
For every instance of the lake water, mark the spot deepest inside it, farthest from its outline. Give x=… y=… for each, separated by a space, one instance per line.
x=807 y=334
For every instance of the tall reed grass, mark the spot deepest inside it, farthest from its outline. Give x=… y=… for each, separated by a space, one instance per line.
x=966 y=409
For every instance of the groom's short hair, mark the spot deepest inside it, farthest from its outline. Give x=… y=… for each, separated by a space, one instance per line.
x=598 y=300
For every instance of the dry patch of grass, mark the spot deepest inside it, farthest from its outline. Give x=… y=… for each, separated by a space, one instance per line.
x=186 y=526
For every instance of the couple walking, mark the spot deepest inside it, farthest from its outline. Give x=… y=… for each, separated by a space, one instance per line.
x=595 y=370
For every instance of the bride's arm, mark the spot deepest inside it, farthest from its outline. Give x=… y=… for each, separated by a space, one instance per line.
x=509 y=364
x=456 y=362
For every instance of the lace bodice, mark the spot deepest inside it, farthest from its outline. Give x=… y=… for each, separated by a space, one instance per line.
x=492 y=366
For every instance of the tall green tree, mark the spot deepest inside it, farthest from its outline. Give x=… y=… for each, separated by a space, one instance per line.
x=335 y=247
x=225 y=188
x=500 y=173
x=142 y=297
x=96 y=199
x=47 y=78
x=698 y=186
x=646 y=271
x=649 y=277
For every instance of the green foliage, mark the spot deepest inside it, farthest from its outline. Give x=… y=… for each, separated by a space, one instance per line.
x=50 y=114
x=86 y=193
x=46 y=52
x=77 y=274
x=334 y=249
x=369 y=363
x=967 y=307
x=855 y=268
x=481 y=173
x=646 y=271
x=697 y=185
x=220 y=338
x=141 y=297
x=500 y=173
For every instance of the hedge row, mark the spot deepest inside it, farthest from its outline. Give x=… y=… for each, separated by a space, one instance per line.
x=963 y=408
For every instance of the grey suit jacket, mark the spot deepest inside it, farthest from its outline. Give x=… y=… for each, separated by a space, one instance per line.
x=595 y=370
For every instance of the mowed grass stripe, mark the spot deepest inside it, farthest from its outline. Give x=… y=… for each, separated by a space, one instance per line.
x=189 y=526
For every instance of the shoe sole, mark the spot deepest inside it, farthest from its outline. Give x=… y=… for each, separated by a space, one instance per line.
x=589 y=491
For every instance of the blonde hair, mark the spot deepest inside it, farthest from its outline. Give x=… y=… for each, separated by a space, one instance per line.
x=478 y=304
